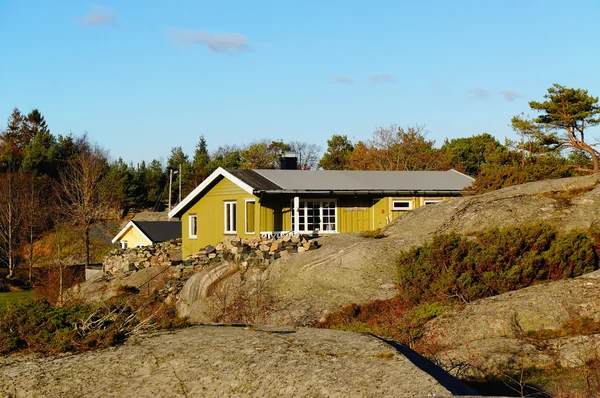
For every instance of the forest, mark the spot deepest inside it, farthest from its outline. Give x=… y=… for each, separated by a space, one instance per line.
x=50 y=182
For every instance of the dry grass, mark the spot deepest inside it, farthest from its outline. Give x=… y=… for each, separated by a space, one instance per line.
x=375 y=234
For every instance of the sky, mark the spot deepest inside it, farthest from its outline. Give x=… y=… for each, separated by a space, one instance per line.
x=141 y=77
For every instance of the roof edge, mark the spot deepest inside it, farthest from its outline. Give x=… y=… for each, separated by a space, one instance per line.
x=126 y=227
x=220 y=172
x=463 y=174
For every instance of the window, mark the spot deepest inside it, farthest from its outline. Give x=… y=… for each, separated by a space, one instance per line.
x=250 y=206
x=193 y=226
x=230 y=214
x=123 y=244
x=401 y=205
x=431 y=202
x=315 y=215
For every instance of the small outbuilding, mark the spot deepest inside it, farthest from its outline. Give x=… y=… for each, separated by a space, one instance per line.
x=145 y=233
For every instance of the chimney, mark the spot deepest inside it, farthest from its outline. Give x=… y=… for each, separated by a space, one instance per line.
x=288 y=161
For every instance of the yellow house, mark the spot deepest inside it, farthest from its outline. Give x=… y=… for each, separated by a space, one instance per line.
x=145 y=233
x=252 y=203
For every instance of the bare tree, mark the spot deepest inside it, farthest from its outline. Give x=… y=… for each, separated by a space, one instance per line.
x=37 y=213
x=12 y=216
x=86 y=195
x=308 y=154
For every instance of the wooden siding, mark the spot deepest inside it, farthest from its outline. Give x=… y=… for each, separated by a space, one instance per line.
x=133 y=237
x=210 y=210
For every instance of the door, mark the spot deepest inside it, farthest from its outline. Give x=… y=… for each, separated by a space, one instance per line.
x=379 y=213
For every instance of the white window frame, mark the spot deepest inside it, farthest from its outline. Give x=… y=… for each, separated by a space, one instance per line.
x=123 y=244
x=191 y=233
x=431 y=201
x=246 y=201
x=228 y=209
x=410 y=204
x=302 y=218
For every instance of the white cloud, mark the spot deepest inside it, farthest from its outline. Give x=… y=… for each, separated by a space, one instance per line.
x=98 y=16
x=341 y=80
x=219 y=43
x=510 y=95
x=480 y=93
x=382 y=78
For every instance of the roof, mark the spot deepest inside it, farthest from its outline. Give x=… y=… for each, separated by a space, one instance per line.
x=160 y=231
x=365 y=181
x=154 y=231
x=330 y=182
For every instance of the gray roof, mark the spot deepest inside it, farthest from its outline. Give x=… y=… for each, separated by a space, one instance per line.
x=254 y=179
x=160 y=231
x=364 y=181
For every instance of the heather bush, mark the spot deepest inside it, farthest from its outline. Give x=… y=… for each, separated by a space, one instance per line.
x=467 y=267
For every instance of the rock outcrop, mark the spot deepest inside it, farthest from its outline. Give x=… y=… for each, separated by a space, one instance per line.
x=499 y=333
x=226 y=361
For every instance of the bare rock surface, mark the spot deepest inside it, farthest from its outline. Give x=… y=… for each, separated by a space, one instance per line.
x=497 y=332
x=351 y=269
x=231 y=361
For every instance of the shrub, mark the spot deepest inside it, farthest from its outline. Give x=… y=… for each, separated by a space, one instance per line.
x=465 y=268
x=375 y=234
x=39 y=326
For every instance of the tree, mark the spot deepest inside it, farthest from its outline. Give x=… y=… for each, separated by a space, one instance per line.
x=468 y=155
x=12 y=141
x=571 y=110
x=179 y=159
x=38 y=206
x=337 y=155
x=395 y=148
x=534 y=141
x=12 y=216
x=86 y=196
x=201 y=162
x=263 y=155
x=156 y=181
x=227 y=157
x=307 y=154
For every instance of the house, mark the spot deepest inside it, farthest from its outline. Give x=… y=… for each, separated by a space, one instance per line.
x=251 y=203
x=145 y=233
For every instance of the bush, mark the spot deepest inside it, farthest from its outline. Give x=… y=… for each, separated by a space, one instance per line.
x=454 y=267
x=39 y=326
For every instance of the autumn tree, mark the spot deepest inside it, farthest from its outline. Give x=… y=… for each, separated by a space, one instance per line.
x=338 y=153
x=263 y=154
x=572 y=111
x=396 y=148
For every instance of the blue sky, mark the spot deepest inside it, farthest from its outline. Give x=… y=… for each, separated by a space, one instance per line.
x=143 y=76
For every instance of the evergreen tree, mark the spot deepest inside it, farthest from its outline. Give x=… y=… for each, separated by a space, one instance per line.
x=572 y=111
x=201 y=162
x=337 y=155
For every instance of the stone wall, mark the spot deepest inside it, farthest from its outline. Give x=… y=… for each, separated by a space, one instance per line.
x=258 y=251
x=136 y=258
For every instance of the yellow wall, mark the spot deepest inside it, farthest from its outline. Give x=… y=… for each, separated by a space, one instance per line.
x=134 y=238
x=210 y=210
x=273 y=214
